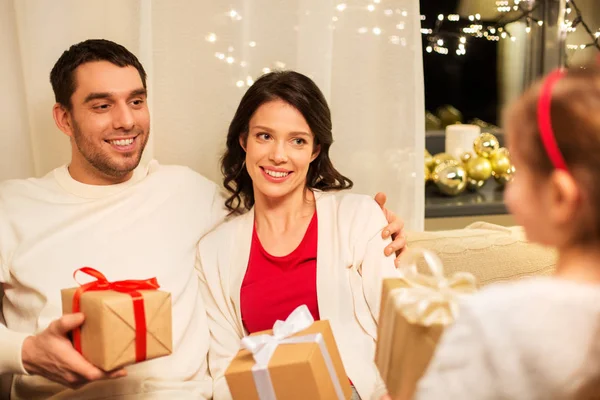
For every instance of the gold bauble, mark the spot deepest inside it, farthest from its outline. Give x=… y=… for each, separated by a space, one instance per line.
x=465 y=157
x=449 y=115
x=428 y=160
x=500 y=160
x=479 y=168
x=432 y=122
x=450 y=177
x=485 y=144
x=427 y=174
x=505 y=177
x=473 y=184
x=442 y=157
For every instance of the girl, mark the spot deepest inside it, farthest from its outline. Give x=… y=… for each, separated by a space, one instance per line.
x=539 y=338
x=301 y=243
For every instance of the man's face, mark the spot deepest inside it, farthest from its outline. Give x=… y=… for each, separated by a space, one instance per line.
x=109 y=119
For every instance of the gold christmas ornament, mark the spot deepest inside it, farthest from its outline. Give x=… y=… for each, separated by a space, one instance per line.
x=500 y=161
x=427 y=174
x=441 y=157
x=473 y=184
x=465 y=157
x=504 y=177
x=432 y=122
x=449 y=115
x=479 y=168
x=485 y=144
x=450 y=177
x=428 y=160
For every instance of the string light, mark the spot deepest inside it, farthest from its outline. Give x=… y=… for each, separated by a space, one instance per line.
x=571 y=26
x=234 y=15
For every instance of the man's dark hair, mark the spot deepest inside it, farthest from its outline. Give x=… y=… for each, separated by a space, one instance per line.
x=62 y=76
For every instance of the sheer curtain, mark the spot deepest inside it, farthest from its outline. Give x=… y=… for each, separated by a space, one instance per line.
x=201 y=57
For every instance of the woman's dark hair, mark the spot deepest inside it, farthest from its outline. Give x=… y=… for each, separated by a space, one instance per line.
x=302 y=93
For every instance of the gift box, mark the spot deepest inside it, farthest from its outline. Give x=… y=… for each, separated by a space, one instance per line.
x=126 y=322
x=415 y=309
x=298 y=359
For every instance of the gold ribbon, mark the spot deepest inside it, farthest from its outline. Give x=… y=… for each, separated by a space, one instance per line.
x=428 y=299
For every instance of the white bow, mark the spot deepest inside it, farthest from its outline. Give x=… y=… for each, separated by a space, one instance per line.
x=263 y=347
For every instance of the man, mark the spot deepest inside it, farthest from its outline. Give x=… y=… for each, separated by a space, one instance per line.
x=102 y=211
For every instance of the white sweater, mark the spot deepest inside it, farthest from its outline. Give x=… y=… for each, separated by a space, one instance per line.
x=536 y=339
x=146 y=227
x=350 y=267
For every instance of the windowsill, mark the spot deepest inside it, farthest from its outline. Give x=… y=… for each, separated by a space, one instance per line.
x=489 y=200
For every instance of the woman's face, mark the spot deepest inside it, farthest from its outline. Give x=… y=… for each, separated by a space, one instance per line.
x=279 y=149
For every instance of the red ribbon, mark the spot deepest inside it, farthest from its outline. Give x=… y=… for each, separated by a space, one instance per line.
x=129 y=287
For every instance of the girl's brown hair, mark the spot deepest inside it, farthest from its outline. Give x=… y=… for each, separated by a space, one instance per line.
x=575 y=117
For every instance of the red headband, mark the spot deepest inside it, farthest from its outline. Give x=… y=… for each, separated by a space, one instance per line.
x=545 y=121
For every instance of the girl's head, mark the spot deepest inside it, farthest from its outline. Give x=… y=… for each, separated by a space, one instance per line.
x=558 y=205
x=278 y=142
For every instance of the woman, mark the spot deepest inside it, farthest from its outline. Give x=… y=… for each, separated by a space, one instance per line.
x=301 y=243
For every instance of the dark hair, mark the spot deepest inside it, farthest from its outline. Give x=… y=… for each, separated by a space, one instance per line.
x=301 y=93
x=576 y=126
x=62 y=76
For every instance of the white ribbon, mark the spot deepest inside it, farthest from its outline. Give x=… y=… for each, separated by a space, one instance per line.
x=263 y=347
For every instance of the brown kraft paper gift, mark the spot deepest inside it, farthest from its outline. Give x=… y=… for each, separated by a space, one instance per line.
x=298 y=370
x=108 y=334
x=415 y=309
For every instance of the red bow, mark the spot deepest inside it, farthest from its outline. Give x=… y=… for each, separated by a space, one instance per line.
x=129 y=287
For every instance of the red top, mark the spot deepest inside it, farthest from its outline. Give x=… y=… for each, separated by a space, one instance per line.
x=273 y=287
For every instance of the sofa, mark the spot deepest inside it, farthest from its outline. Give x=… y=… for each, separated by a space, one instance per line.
x=492 y=253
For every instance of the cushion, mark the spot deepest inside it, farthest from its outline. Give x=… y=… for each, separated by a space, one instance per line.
x=490 y=252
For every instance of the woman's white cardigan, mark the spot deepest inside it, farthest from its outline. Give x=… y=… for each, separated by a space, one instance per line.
x=350 y=267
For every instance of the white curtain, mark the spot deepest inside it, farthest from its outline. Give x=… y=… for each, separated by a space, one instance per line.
x=202 y=55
